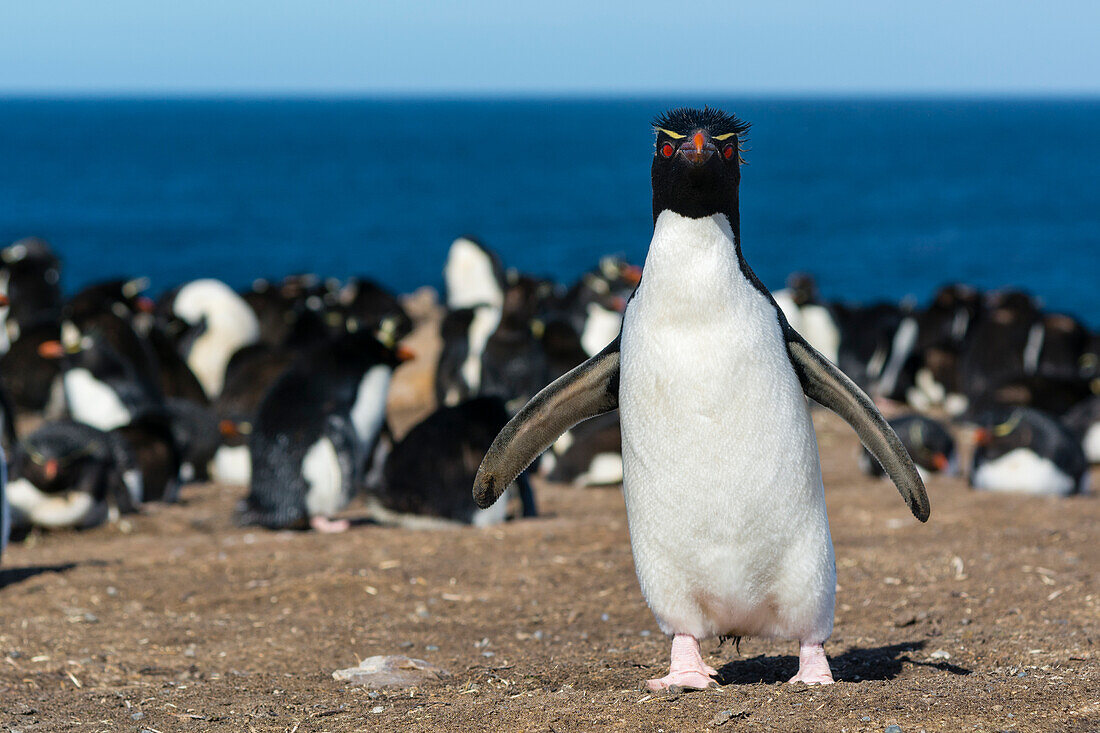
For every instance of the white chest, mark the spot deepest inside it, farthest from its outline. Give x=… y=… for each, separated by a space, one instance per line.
x=720 y=466
x=92 y=402
x=705 y=372
x=485 y=321
x=369 y=410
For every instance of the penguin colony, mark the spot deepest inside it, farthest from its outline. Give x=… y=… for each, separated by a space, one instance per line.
x=122 y=399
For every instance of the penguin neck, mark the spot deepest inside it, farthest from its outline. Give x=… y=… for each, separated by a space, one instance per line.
x=694 y=246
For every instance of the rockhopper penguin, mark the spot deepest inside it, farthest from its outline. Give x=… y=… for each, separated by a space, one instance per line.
x=722 y=478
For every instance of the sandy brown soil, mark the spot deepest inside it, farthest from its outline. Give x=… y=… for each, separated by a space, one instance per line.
x=987 y=618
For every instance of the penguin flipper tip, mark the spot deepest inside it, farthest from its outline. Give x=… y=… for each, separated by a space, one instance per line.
x=486 y=492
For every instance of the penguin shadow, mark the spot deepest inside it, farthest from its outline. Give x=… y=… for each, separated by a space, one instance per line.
x=11 y=576
x=854 y=665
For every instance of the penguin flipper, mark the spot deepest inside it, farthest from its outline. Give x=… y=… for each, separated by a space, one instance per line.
x=824 y=382
x=588 y=390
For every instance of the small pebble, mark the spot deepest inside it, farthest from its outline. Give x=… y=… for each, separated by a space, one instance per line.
x=647 y=632
x=112 y=591
x=137 y=716
x=488 y=654
x=377 y=709
x=893 y=729
x=604 y=617
x=866 y=718
x=406 y=645
x=1022 y=674
x=91 y=618
x=940 y=654
x=431 y=648
x=721 y=718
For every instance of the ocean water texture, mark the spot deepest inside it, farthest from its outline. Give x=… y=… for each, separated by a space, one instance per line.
x=880 y=199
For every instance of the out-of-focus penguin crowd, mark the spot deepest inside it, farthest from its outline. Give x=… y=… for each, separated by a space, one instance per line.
x=111 y=399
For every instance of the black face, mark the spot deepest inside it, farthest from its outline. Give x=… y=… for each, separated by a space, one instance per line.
x=697 y=163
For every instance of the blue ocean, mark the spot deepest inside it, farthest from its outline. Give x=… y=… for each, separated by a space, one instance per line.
x=879 y=199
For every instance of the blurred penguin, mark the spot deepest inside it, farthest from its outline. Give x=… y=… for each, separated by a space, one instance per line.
x=30 y=276
x=68 y=474
x=315 y=431
x=1083 y=420
x=224 y=322
x=1020 y=449
x=102 y=389
x=589 y=454
x=929 y=443
x=427 y=476
x=151 y=445
x=473 y=275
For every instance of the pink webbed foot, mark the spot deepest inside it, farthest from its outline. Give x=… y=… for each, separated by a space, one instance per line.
x=325 y=525
x=687 y=670
x=813 y=667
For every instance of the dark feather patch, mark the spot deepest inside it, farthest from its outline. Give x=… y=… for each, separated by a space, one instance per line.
x=684 y=120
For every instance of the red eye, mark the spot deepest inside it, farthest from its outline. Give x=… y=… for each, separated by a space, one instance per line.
x=727 y=152
x=667 y=150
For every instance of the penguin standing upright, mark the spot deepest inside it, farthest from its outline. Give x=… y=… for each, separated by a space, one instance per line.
x=314 y=433
x=722 y=477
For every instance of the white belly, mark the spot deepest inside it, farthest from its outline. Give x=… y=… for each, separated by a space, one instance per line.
x=1023 y=471
x=721 y=471
x=92 y=402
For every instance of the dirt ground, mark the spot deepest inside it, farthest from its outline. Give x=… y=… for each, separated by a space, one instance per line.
x=987 y=618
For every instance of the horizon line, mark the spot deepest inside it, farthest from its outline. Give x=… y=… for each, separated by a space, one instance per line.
x=201 y=94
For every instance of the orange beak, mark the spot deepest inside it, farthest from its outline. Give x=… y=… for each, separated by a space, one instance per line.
x=51 y=469
x=51 y=350
x=940 y=462
x=699 y=149
x=982 y=437
x=619 y=303
x=145 y=304
x=404 y=353
x=4 y=301
x=228 y=429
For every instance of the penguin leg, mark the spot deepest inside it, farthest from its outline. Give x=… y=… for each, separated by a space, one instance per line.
x=324 y=525
x=813 y=666
x=687 y=670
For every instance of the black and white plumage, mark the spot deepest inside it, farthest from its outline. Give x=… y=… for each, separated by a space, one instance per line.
x=1083 y=420
x=102 y=388
x=197 y=435
x=427 y=475
x=1023 y=450
x=221 y=322
x=370 y=307
x=30 y=277
x=314 y=432
x=473 y=275
x=152 y=445
x=68 y=474
x=590 y=454
x=721 y=473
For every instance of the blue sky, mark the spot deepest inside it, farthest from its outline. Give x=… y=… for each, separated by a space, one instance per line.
x=569 y=47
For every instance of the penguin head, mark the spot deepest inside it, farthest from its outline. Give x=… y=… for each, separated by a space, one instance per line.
x=53 y=463
x=697 y=163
